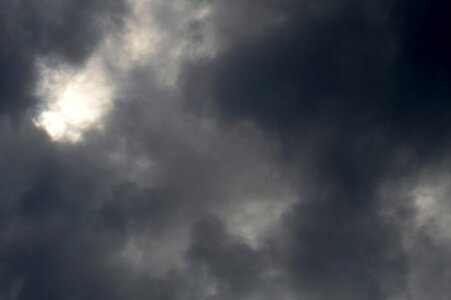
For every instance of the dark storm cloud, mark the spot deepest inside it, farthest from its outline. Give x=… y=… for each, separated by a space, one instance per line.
x=49 y=246
x=64 y=218
x=322 y=126
x=346 y=86
x=346 y=63
x=67 y=30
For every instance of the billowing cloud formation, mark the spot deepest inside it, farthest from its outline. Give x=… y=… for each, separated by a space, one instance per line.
x=225 y=150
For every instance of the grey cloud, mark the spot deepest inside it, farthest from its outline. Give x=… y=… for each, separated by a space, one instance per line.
x=234 y=264
x=285 y=164
x=346 y=87
x=111 y=216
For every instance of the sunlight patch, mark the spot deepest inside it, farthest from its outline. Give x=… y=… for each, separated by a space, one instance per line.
x=74 y=100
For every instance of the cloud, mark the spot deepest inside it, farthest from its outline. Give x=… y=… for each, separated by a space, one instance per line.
x=348 y=88
x=221 y=150
x=67 y=30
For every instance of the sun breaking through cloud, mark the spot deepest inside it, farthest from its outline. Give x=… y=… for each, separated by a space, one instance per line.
x=74 y=100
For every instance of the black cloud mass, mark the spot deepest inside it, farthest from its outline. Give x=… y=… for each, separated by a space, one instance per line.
x=218 y=150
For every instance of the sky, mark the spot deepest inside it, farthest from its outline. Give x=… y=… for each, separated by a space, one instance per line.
x=225 y=149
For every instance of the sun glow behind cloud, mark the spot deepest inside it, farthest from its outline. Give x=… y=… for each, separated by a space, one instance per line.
x=74 y=100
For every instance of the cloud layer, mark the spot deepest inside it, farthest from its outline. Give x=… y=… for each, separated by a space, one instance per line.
x=225 y=150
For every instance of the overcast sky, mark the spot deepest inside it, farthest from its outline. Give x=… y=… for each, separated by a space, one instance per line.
x=225 y=150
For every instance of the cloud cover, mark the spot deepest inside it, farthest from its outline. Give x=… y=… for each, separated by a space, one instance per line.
x=252 y=150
